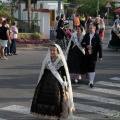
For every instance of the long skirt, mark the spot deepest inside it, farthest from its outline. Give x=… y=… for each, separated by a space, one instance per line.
x=114 y=43
x=75 y=61
x=62 y=43
x=48 y=100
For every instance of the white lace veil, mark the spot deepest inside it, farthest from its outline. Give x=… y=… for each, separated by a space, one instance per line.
x=72 y=39
x=61 y=55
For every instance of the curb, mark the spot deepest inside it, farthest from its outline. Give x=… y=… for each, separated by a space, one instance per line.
x=32 y=46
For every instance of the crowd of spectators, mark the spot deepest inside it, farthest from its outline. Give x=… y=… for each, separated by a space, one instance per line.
x=8 y=38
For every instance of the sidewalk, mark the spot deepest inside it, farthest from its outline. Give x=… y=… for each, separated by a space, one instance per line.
x=45 y=45
x=32 y=46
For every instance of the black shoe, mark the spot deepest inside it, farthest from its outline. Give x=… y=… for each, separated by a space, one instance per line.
x=15 y=54
x=87 y=83
x=91 y=85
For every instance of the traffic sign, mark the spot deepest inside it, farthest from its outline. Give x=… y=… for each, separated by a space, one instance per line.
x=108 y=5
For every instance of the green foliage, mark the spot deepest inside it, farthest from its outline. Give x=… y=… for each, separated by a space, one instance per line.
x=65 y=1
x=30 y=36
x=90 y=7
x=36 y=36
x=2 y=6
x=34 y=21
x=72 y=1
x=3 y=12
x=14 y=1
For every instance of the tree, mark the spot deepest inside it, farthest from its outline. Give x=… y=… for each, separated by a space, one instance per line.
x=90 y=7
x=65 y=1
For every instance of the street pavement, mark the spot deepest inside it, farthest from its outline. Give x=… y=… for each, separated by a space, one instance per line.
x=19 y=75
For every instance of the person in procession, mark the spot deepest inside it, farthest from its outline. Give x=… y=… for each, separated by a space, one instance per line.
x=93 y=45
x=114 y=42
x=61 y=36
x=83 y=20
x=97 y=25
x=76 y=21
x=55 y=26
x=53 y=97
x=75 y=54
x=102 y=29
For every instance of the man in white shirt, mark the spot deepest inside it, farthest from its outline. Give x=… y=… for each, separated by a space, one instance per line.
x=93 y=45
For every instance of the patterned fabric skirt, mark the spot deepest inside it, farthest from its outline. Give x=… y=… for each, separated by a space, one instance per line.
x=113 y=47
x=79 y=76
x=75 y=61
x=48 y=100
x=62 y=43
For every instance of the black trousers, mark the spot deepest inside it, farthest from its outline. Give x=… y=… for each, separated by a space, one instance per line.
x=89 y=63
x=13 y=46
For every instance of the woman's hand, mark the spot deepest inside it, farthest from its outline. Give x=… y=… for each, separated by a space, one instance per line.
x=67 y=89
x=89 y=46
x=73 y=109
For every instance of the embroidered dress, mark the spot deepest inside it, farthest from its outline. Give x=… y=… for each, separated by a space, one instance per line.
x=51 y=99
x=75 y=57
x=114 y=42
x=48 y=97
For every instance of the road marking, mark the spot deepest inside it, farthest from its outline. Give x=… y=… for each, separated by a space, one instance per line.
x=98 y=110
x=115 y=78
x=26 y=111
x=96 y=98
x=95 y=89
x=108 y=84
x=17 y=109
x=77 y=118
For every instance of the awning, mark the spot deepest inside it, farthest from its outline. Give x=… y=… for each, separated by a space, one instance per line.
x=117 y=10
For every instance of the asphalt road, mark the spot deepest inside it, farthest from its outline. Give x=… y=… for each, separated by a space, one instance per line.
x=19 y=75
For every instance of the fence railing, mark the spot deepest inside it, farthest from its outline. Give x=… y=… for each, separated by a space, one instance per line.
x=23 y=26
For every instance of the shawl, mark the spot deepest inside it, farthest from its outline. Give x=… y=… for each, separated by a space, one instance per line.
x=76 y=42
x=116 y=31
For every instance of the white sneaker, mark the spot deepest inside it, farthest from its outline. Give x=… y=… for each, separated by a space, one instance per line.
x=76 y=81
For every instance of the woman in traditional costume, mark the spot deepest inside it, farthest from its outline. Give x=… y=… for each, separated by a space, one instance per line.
x=75 y=55
x=102 y=29
x=53 y=98
x=114 y=42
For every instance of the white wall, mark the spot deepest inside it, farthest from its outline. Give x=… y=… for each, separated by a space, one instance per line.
x=51 y=5
x=44 y=24
x=15 y=14
x=43 y=17
x=22 y=7
x=24 y=16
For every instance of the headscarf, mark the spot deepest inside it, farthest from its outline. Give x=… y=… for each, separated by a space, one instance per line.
x=116 y=30
x=61 y=55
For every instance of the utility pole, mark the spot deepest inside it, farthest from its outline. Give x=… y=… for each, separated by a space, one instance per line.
x=59 y=7
x=29 y=15
x=19 y=10
x=12 y=8
x=98 y=7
